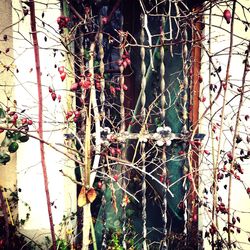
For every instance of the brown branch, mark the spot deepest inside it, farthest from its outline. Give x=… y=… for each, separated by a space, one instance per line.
x=48 y=144
x=234 y=141
x=40 y=117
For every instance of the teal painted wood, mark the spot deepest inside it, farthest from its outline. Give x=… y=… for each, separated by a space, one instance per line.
x=173 y=118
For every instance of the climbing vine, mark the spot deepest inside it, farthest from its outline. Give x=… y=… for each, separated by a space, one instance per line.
x=154 y=119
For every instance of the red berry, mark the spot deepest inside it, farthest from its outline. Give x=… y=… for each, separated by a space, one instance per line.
x=248 y=190
x=74 y=86
x=190 y=177
x=62 y=21
x=53 y=95
x=104 y=19
x=195 y=217
x=98 y=85
x=77 y=114
x=118 y=151
x=200 y=79
x=203 y=99
x=99 y=184
x=181 y=205
x=230 y=156
x=227 y=15
x=15 y=116
x=112 y=90
x=161 y=179
x=124 y=64
x=61 y=69
x=30 y=122
x=116 y=177
x=58 y=20
x=59 y=98
x=181 y=152
x=13 y=121
x=128 y=61
x=86 y=84
x=206 y=152
x=69 y=113
x=197 y=143
x=63 y=76
x=24 y=121
x=67 y=19
x=87 y=10
x=125 y=87
x=50 y=90
x=112 y=151
x=120 y=62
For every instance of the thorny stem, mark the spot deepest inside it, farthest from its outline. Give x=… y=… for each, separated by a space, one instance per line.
x=246 y=69
x=214 y=218
x=40 y=117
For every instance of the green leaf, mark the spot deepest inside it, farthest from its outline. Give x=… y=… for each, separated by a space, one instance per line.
x=24 y=138
x=4 y=158
x=16 y=135
x=13 y=147
x=96 y=64
x=2 y=113
x=9 y=134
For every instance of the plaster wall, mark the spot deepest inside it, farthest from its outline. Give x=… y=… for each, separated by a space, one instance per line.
x=25 y=169
x=220 y=35
x=7 y=172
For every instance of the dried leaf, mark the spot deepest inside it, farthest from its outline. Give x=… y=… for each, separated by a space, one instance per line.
x=82 y=199
x=91 y=195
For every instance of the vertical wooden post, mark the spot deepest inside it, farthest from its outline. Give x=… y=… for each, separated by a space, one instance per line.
x=193 y=233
